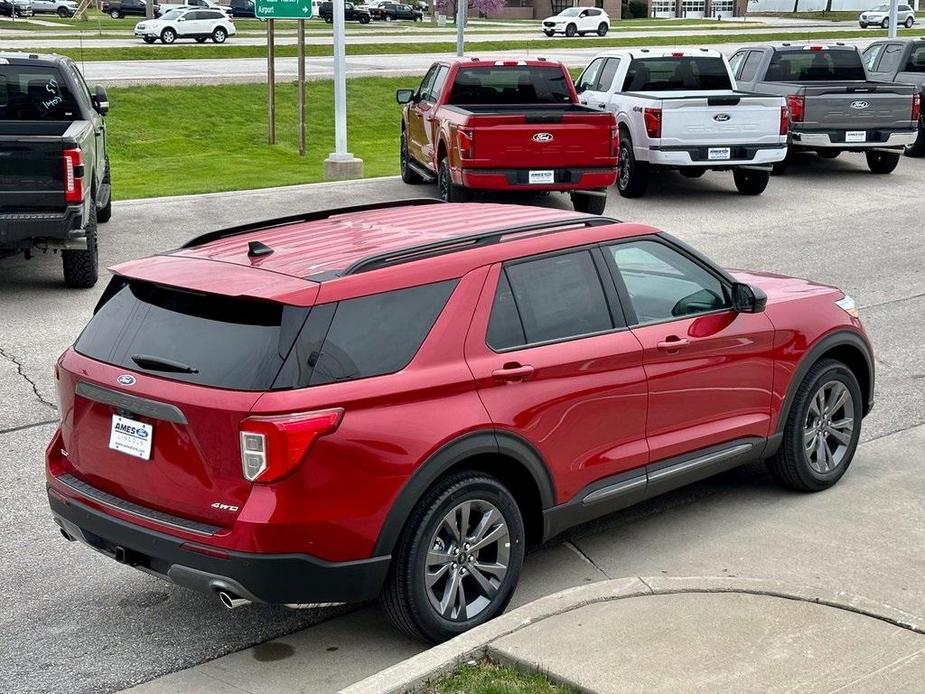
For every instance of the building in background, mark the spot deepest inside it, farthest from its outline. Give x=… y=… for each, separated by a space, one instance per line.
x=698 y=9
x=819 y=5
x=540 y=9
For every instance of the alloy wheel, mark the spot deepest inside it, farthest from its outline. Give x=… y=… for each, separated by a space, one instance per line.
x=467 y=560
x=829 y=426
x=623 y=167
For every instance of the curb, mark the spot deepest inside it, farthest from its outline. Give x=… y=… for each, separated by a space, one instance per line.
x=410 y=674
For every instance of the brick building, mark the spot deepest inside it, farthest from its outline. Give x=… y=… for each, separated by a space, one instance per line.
x=691 y=9
x=540 y=9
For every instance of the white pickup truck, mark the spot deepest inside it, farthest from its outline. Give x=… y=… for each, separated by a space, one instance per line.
x=681 y=110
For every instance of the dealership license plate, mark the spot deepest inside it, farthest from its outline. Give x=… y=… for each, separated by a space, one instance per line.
x=131 y=437
x=856 y=136
x=719 y=153
x=540 y=177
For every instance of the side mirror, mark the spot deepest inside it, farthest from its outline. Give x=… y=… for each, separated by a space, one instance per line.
x=404 y=96
x=748 y=299
x=101 y=101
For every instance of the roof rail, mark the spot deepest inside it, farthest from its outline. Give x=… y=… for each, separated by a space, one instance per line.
x=462 y=243
x=304 y=217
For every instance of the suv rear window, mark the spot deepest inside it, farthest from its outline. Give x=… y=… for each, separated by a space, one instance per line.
x=34 y=93
x=815 y=66
x=510 y=85
x=677 y=74
x=232 y=343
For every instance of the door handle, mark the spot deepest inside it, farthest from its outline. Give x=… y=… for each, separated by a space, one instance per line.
x=512 y=372
x=604 y=105
x=672 y=343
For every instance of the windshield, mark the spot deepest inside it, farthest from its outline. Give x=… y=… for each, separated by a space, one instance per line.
x=34 y=93
x=677 y=74
x=510 y=85
x=816 y=66
x=172 y=14
x=570 y=12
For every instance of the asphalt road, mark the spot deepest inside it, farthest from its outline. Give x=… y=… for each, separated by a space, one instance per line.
x=72 y=621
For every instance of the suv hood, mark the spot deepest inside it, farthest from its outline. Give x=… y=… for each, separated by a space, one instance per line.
x=780 y=288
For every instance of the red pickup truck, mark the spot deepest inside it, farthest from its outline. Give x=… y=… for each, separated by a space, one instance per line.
x=506 y=125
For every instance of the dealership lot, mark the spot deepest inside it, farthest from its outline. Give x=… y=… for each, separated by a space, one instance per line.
x=80 y=622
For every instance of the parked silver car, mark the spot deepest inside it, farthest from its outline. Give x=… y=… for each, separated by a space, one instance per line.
x=880 y=17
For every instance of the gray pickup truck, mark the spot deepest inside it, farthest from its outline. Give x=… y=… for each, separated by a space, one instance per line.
x=834 y=107
x=903 y=61
x=54 y=169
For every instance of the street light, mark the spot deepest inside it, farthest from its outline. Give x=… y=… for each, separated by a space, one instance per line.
x=341 y=165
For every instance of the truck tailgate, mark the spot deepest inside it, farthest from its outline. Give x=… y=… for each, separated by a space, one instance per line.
x=721 y=119
x=31 y=162
x=858 y=106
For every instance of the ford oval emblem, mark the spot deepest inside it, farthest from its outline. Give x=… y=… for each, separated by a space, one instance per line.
x=721 y=117
x=126 y=380
x=543 y=137
x=860 y=104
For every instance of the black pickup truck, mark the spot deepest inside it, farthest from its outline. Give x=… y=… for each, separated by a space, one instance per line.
x=54 y=167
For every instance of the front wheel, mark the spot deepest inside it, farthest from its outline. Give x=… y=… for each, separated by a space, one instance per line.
x=571 y=30
x=458 y=560
x=219 y=35
x=104 y=214
x=81 y=268
x=632 y=175
x=449 y=191
x=822 y=429
x=115 y=14
x=882 y=162
x=750 y=181
x=590 y=204
x=909 y=22
x=885 y=24
x=329 y=20
x=602 y=29
x=168 y=36
x=63 y=12
x=364 y=20
x=408 y=175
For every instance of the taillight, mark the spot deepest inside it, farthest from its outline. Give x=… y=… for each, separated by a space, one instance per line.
x=916 y=106
x=653 y=120
x=273 y=447
x=796 y=103
x=784 y=120
x=73 y=175
x=466 y=143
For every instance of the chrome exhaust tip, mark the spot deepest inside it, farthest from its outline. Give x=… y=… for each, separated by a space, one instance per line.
x=232 y=601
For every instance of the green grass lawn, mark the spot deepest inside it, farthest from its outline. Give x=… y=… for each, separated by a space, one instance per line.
x=155 y=152
x=491 y=678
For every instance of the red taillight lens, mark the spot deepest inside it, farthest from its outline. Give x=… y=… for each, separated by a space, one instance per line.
x=273 y=447
x=73 y=175
x=795 y=104
x=784 y=120
x=916 y=106
x=466 y=143
x=653 y=120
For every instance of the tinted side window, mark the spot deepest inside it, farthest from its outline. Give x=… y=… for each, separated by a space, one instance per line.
x=504 y=327
x=750 y=67
x=428 y=81
x=916 y=62
x=439 y=81
x=735 y=61
x=379 y=334
x=605 y=81
x=663 y=284
x=892 y=55
x=559 y=297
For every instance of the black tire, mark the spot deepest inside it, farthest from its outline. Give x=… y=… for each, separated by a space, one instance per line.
x=750 y=181
x=406 y=597
x=909 y=22
x=571 y=30
x=115 y=14
x=168 y=35
x=792 y=465
x=917 y=148
x=589 y=204
x=63 y=12
x=446 y=189
x=364 y=19
x=104 y=214
x=691 y=172
x=882 y=162
x=828 y=153
x=81 y=268
x=602 y=29
x=632 y=175
x=219 y=35
x=408 y=175
x=329 y=20
x=885 y=23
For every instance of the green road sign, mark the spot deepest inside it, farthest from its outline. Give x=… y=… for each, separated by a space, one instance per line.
x=283 y=9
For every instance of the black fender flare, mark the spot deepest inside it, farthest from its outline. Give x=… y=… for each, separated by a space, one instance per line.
x=479 y=443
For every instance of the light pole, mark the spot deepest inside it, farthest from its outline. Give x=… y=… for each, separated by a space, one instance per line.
x=340 y=164
x=460 y=27
x=894 y=7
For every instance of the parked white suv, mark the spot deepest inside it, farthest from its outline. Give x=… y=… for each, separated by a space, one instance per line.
x=880 y=17
x=577 y=20
x=680 y=110
x=187 y=24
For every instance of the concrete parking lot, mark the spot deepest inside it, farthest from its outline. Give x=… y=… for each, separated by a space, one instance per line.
x=72 y=621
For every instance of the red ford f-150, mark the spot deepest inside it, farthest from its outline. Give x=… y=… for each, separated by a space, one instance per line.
x=506 y=125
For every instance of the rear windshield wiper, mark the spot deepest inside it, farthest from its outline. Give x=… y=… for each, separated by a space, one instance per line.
x=146 y=361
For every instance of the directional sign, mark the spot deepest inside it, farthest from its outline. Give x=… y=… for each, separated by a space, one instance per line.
x=283 y=9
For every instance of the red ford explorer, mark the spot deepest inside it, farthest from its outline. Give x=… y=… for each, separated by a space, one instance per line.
x=395 y=399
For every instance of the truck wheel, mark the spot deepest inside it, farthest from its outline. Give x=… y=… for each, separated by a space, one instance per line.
x=104 y=214
x=589 y=204
x=449 y=191
x=458 y=560
x=917 y=148
x=632 y=175
x=909 y=22
x=822 y=429
x=115 y=14
x=63 y=12
x=571 y=30
x=408 y=175
x=81 y=268
x=364 y=19
x=882 y=162
x=219 y=35
x=602 y=29
x=751 y=182
x=168 y=35
x=828 y=153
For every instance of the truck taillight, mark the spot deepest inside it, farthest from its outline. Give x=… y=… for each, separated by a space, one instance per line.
x=916 y=106
x=796 y=105
x=784 y=120
x=653 y=120
x=273 y=447
x=73 y=175
x=466 y=143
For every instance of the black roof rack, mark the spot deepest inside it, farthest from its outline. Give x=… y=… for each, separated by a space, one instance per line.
x=461 y=243
x=304 y=217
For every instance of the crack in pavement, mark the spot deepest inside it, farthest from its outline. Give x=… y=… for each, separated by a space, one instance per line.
x=583 y=556
x=22 y=372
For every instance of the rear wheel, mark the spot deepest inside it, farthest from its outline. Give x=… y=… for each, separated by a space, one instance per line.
x=449 y=191
x=909 y=22
x=885 y=23
x=882 y=162
x=63 y=13
x=115 y=14
x=828 y=153
x=81 y=268
x=632 y=175
x=458 y=560
x=602 y=29
x=571 y=30
x=168 y=35
x=408 y=175
x=364 y=19
x=917 y=148
x=822 y=429
x=750 y=181
x=589 y=204
x=219 y=35
x=329 y=19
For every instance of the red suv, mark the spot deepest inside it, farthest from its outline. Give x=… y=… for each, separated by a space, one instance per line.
x=395 y=399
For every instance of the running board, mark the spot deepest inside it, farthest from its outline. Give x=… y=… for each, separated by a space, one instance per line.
x=424 y=173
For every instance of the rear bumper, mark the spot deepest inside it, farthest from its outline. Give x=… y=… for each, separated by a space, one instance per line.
x=836 y=139
x=740 y=155
x=270 y=578
x=18 y=229
x=518 y=179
